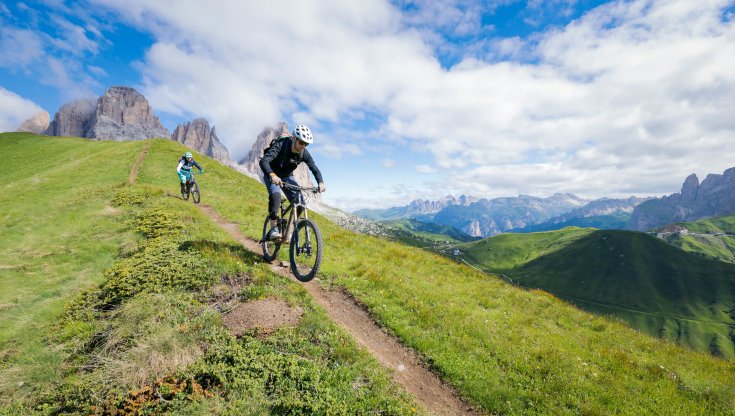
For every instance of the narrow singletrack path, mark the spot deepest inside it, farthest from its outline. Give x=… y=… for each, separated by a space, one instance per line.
x=404 y=364
x=134 y=170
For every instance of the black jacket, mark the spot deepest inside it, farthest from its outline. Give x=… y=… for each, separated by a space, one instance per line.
x=280 y=160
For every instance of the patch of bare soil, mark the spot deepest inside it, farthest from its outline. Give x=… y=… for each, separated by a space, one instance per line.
x=136 y=166
x=265 y=314
x=405 y=365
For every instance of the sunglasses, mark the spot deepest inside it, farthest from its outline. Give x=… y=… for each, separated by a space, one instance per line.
x=303 y=143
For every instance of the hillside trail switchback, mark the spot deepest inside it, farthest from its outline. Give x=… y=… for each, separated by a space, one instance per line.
x=404 y=364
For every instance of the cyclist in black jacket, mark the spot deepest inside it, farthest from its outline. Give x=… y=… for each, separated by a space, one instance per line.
x=278 y=164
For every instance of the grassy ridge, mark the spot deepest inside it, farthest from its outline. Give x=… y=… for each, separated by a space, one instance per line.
x=508 y=350
x=659 y=289
x=712 y=238
x=140 y=331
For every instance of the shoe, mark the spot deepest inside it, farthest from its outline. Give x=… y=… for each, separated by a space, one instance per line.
x=274 y=233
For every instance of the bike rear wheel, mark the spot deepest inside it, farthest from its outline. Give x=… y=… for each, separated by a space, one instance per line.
x=195 y=192
x=270 y=248
x=306 y=250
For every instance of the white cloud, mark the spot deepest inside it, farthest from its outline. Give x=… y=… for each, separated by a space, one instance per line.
x=632 y=97
x=19 y=47
x=389 y=163
x=424 y=169
x=14 y=110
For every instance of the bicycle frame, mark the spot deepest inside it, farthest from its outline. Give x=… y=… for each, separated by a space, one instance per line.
x=291 y=210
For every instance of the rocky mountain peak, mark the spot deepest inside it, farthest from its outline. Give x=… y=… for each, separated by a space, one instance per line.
x=689 y=189
x=199 y=136
x=123 y=113
x=713 y=197
x=73 y=118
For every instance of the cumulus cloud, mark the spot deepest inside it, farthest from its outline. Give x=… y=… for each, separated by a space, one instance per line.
x=631 y=97
x=424 y=169
x=14 y=110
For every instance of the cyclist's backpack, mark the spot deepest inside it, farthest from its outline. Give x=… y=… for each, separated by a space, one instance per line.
x=274 y=141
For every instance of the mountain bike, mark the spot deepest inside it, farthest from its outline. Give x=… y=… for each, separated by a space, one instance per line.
x=305 y=239
x=191 y=187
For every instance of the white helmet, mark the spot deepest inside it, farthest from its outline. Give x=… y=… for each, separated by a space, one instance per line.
x=303 y=133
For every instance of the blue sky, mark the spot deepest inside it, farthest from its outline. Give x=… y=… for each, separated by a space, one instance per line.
x=410 y=98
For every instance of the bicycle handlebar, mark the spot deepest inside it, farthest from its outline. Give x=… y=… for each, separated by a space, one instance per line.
x=314 y=189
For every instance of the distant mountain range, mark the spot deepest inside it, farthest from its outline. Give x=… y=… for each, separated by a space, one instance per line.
x=604 y=214
x=714 y=197
x=419 y=208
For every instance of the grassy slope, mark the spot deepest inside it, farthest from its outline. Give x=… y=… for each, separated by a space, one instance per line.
x=63 y=233
x=509 y=350
x=715 y=238
x=54 y=242
x=659 y=289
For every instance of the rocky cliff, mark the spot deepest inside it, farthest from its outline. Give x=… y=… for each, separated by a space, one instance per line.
x=73 y=119
x=199 y=136
x=37 y=124
x=124 y=114
x=121 y=114
x=714 y=197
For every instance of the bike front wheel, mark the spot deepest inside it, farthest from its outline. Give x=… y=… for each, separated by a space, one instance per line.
x=270 y=248
x=195 y=192
x=306 y=250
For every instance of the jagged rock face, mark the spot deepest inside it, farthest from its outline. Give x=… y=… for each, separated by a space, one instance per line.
x=124 y=114
x=37 y=124
x=714 y=197
x=73 y=119
x=251 y=161
x=199 y=136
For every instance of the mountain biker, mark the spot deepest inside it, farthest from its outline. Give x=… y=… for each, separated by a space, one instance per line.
x=184 y=170
x=278 y=164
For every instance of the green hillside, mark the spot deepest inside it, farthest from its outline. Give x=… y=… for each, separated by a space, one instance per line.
x=657 y=288
x=423 y=234
x=156 y=272
x=713 y=238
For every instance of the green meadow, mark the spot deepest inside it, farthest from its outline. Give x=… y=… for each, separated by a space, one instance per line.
x=659 y=289
x=712 y=238
x=105 y=279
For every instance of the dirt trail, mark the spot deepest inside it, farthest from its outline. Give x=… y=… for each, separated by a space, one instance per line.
x=134 y=170
x=404 y=364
